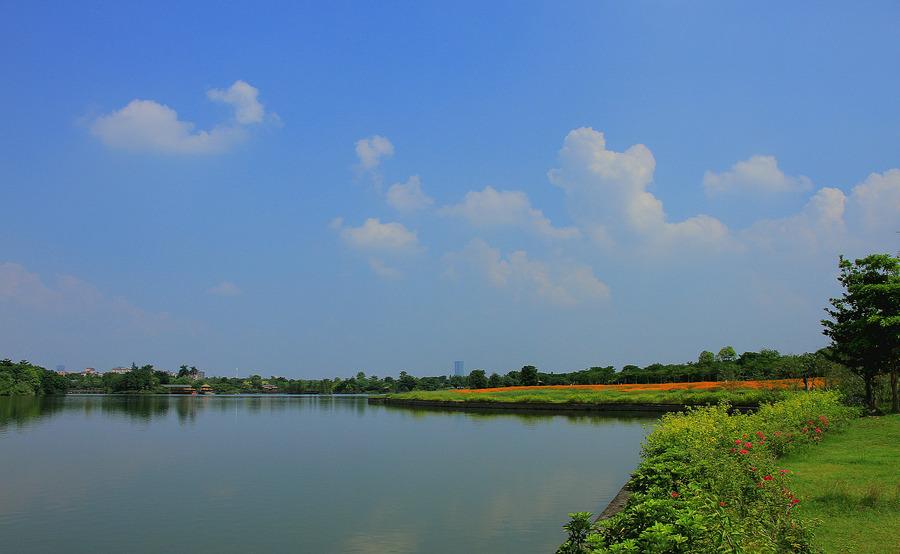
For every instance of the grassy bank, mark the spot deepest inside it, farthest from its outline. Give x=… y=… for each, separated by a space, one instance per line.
x=746 y=393
x=712 y=481
x=850 y=487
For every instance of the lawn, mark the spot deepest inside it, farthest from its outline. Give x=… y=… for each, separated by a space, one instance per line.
x=740 y=393
x=851 y=484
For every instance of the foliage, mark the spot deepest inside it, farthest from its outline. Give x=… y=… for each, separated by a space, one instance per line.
x=710 y=480
x=25 y=379
x=865 y=321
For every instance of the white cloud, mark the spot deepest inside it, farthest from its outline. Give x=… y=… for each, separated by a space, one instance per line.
x=606 y=193
x=372 y=150
x=759 y=174
x=148 y=126
x=244 y=98
x=408 y=196
x=225 y=288
x=560 y=285
x=875 y=202
x=373 y=235
x=820 y=224
x=493 y=208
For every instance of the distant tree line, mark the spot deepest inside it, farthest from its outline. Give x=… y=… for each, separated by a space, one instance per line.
x=24 y=378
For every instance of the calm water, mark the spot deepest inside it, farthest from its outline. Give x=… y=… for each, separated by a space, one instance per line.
x=299 y=474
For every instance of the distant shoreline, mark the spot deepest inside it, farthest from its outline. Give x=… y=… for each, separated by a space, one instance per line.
x=542 y=406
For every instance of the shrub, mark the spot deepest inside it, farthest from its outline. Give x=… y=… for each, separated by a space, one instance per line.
x=710 y=480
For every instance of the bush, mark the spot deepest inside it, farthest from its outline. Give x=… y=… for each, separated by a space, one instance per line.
x=710 y=480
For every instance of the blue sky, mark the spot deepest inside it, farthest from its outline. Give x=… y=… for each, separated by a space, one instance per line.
x=315 y=189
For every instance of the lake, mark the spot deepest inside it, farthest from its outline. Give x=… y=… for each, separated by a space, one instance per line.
x=298 y=474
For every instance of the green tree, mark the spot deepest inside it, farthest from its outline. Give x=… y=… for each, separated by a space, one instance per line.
x=477 y=379
x=706 y=358
x=865 y=321
x=726 y=354
x=528 y=375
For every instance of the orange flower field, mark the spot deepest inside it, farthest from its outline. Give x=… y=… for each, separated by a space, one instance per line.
x=773 y=384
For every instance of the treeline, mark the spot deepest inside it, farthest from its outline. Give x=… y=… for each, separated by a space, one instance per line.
x=24 y=378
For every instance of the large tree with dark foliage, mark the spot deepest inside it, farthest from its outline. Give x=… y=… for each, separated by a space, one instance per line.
x=865 y=321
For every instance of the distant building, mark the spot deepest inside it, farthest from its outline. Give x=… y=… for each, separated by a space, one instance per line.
x=459 y=368
x=89 y=371
x=119 y=370
x=61 y=369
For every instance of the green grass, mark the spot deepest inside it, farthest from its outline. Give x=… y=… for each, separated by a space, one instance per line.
x=850 y=483
x=739 y=397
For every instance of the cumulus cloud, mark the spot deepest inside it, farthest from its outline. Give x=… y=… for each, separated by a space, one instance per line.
x=759 y=174
x=373 y=235
x=832 y=221
x=607 y=194
x=559 y=285
x=506 y=208
x=148 y=126
x=244 y=98
x=819 y=224
x=225 y=288
x=370 y=151
x=408 y=196
x=875 y=202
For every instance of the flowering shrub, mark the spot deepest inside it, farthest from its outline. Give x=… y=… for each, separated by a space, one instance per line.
x=710 y=481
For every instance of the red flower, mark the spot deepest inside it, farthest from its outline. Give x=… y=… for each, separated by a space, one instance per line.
x=748 y=445
x=760 y=435
x=737 y=441
x=752 y=468
x=723 y=504
x=767 y=478
x=675 y=494
x=777 y=433
x=819 y=431
x=795 y=501
x=733 y=450
x=743 y=451
x=783 y=471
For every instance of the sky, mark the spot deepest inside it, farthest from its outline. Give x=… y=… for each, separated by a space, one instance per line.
x=315 y=189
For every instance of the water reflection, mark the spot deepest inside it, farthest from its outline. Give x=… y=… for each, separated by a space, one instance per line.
x=18 y=412
x=286 y=473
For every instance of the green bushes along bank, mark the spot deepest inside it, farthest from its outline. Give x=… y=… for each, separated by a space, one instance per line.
x=711 y=481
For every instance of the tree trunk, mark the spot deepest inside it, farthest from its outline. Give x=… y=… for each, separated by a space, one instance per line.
x=870 y=394
x=895 y=402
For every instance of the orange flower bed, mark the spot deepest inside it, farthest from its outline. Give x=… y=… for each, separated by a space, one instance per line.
x=817 y=382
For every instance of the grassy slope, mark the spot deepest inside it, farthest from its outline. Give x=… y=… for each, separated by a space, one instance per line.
x=851 y=483
x=736 y=397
